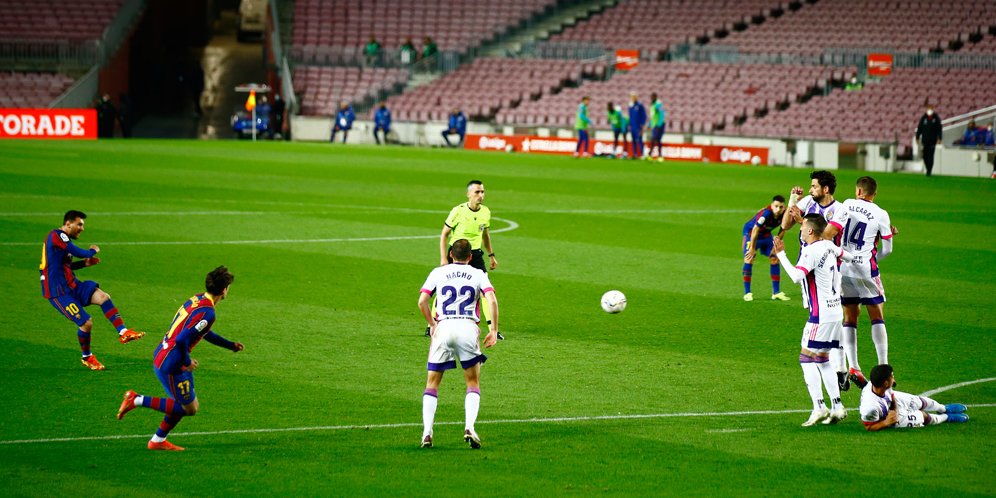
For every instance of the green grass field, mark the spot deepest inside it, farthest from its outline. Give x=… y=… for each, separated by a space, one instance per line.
x=330 y=245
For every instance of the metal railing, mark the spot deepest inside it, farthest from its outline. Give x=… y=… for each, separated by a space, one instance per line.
x=858 y=57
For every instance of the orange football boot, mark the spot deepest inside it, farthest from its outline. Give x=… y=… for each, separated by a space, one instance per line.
x=130 y=335
x=92 y=363
x=128 y=404
x=164 y=446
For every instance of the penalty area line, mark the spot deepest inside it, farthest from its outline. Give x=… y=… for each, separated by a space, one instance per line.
x=537 y=420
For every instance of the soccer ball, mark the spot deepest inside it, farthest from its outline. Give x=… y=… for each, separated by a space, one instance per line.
x=509 y=148
x=613 y=301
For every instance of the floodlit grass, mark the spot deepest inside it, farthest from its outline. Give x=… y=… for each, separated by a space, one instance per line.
x=330 y=244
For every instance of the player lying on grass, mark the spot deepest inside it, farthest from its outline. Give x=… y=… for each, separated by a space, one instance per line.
x=883 y=408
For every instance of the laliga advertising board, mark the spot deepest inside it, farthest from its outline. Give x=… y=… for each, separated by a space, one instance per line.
x=731 y=154
x=49 y=123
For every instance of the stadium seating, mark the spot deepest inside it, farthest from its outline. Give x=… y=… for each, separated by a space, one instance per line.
x=886 y=111
x=56 y=19
x=985 y=46
x=698 y=97
x=652 y=26
x=488 y=85
x=31 y=90
x=455 y=25
x=322 y=89
x=894 y=25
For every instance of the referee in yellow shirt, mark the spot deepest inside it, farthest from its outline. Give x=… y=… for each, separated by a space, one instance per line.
x=470 y=221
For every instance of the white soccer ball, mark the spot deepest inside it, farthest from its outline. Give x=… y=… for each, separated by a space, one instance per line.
x=613 y=301
x=509 y=148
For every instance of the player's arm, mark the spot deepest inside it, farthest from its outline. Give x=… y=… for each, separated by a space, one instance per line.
x=444 y=246
x=486 y=244
x=886 y=239
x=220 y=341
x=83 y=263
x=792 y=212
x=794 y=272
x=424 y=297
x=492 y=337
x=752 y=244
x=78 y=252
x=889 y=421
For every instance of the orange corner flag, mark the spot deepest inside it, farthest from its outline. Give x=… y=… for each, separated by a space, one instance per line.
x=251 y=101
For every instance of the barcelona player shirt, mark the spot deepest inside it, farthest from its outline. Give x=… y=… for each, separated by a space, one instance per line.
x=57 y=277
x=191 y=323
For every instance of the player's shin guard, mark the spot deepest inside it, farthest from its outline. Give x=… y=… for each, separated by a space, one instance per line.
x=934 y=418
x=830 y=382
x=811 y=373
x=84 y=338
x=850 y=343
x=113 y=316
x=776 y=278
x=837 y=360
x=429 y=400
x=168 y=423
x=881 y=340
x=168 y=406
x=748 y=270
x=929 y=405
x=472 y=404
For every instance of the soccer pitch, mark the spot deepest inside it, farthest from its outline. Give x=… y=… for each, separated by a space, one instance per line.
x=690 y=391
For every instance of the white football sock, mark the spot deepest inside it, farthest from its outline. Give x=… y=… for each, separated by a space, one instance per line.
x=139 y=399
x=837 y=360
x=830 y=382
x=428 y=413
x=157 y=439
x=850 y=343
x=472 y=404
x=935 y=418
x=811 y=373
x=881 y=340
x=931 y=406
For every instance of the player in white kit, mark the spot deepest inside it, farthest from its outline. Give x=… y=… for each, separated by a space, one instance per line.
x=862 y=223
x=455 y=334
x=882 y=407
x=821 y=201
x=820 y=279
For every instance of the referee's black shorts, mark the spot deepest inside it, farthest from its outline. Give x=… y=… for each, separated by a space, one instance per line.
x=476 y=259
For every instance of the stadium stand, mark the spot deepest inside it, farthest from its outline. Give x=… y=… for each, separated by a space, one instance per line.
x=322 y=89
x=19 y=89
x=652 y=26
x=455 y=25
x=918 y=26
x=486 y=86
x=698 y=97
x=56 y=19
x=987 y=45
x=884 y=111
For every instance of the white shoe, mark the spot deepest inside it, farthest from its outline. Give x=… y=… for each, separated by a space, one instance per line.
x=749 y=297
x=472 y=438
x=780 y=297
x=816 y=417
x=836 y=416
x=427 y=441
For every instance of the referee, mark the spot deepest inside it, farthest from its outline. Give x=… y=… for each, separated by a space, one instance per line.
x=470 y=221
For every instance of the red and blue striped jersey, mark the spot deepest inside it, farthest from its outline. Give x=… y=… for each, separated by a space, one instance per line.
x=191 y=323
x=57 y=277
x=765 y=220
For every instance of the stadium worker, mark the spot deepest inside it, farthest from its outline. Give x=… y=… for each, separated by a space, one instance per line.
x=277 y=117
x=68 y=294
x=343 y=121
x=581 y=125
x=862 y=223
x=757 y=237
x=619 y=124
x=637 y=120
x=470 y=221
x=928 y=134
x=817 y=270
x=455 y=334
x=820 y=201
x=371 y=52
x=382 y=122
x=883 y=408
x=657 y=116
x=457 y=125
x=172 y=362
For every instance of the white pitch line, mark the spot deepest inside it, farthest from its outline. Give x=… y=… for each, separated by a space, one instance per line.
x=318 y=428
x=512 y=225
x=643 y=211
x=955 y=386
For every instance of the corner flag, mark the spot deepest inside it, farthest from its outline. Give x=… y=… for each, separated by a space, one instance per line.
x=251 y=101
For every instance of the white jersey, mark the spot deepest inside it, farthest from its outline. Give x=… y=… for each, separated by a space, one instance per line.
x=861 y=223
x=821 y=288
x=808 y=205
x=458 y=287
x=874 y=407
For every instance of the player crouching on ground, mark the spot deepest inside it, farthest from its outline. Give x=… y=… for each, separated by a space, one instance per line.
x=882 y=407
x=172 y=361
x=455 y=334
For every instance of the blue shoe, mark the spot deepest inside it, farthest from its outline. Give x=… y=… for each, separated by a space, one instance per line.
x=957 y=418
x=955 y=408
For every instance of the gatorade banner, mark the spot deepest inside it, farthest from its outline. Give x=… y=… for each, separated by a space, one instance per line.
x=566 y=146
x=879 y=64
x=48 y=123
x=627 y=59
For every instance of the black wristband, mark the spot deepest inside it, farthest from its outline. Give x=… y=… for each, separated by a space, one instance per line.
x=491 y=255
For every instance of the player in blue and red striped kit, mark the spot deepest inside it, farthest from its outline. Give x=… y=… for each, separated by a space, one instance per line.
x=757 y=237
x=172 y=361
x=68 y=294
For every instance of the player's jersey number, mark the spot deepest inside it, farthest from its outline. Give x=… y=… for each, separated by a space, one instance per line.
x=465 y=307
x=855 y=237
x=184 y=387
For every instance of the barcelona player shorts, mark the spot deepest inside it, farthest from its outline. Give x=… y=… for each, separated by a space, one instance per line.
x=179 y=386
x=763 y=245
x=71 y=304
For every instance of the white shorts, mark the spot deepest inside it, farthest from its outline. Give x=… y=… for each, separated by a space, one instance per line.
x=908 y=411
x=861 y=290
x=822 y=337
x=455 y=339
